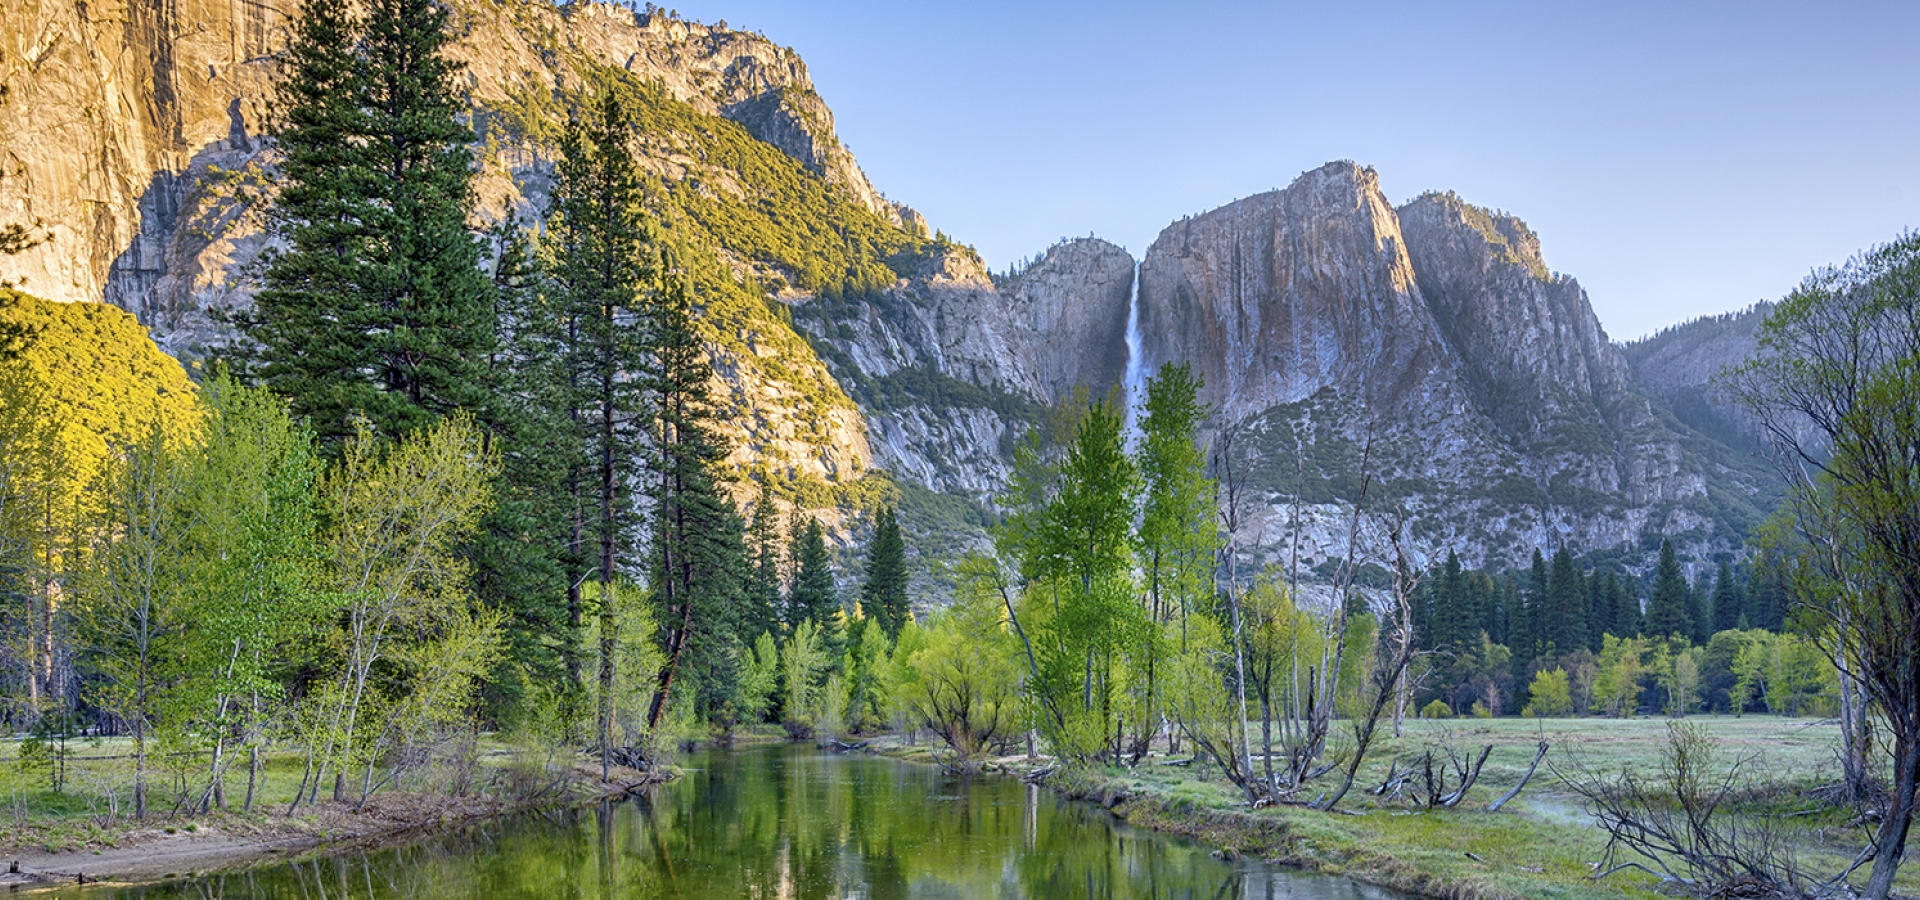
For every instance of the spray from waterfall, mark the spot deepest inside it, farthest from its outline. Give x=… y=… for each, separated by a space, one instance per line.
x=1133 y=382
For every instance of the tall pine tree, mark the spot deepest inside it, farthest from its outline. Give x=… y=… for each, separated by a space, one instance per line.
x=1729 y=601
x=812 y=597
x=1669 y=610
x=766 y=558
x=1567 y=603
x=378 y=307
x=699 y=544
x=883 y=597
x=520 y=556
x=602 y=265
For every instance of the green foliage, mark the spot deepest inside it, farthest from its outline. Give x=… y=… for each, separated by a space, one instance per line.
x=1617 y=689
x=1437 y=709
x=1074 y=550
x=759 y=679
x=82 y=379
x=960 y=675
x=397 y=515
x=1550 y=696
x=804 y=666
x=770 y=209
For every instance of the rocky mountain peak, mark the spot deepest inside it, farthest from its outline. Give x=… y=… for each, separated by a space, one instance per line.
x=1281 y=294
x=1507 y=239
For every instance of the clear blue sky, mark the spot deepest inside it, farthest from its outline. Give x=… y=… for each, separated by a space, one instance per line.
x=1680 y=159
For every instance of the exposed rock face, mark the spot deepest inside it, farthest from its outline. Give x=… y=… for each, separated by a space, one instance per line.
x=132 y=133
x=1489 y=404
x=1072 y=307
x=1680 y=365
x=1533 y=355
x=950 y=369
x=105 y=104
x=1282 y=294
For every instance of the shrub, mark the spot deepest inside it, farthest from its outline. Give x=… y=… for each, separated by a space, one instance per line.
x=1438 y=709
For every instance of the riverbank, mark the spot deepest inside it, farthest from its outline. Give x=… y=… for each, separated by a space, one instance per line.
x=1539 y=846
x=48 y=852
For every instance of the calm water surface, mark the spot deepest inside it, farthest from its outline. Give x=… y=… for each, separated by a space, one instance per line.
x=787 y=823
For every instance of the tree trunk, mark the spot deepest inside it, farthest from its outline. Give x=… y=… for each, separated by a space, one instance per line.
x=253 y=775
x=1891 y=842
x=1855 y=770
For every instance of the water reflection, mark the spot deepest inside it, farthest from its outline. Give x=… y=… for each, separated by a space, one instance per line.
x=787 y=823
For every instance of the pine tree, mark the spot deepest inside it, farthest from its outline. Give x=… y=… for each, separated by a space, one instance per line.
x=602 y=266
x=1668 y=610
x=883 y=597
x=1729 y=601
x=1766 y=595
x=1531 y=625
x=812 y=597
x=699 y=548
x=520 y=556
x=1455 y=621
x=1599 y=610
x=378 y=306
x=1700 y=610
x=766 y=557
x=1567 y=603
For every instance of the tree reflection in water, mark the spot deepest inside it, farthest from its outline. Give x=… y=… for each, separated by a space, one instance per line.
x=786 y=823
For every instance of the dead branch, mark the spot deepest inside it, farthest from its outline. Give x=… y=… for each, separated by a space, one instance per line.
x=1508 y=796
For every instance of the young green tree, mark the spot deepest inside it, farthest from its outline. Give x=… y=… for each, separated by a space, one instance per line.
x=377 y=307
x=248 y=559
x=1552 y=697
x=884 y=595
x=133 y=614
x=1178 y=540
x=961 y=677
x=1076 y=554
x=397 y=514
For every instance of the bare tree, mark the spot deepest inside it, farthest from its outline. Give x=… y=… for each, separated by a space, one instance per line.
x=1833 y=386
x=1397 y=649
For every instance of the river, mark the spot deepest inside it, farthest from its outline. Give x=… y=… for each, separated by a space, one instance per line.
x=784 y=822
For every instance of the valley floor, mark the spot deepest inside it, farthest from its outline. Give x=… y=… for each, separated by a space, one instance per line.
x=1542 y=845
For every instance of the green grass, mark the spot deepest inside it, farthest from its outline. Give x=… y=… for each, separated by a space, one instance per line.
x=1539 y=846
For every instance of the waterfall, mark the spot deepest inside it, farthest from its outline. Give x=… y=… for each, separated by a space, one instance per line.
x=1134 y=381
